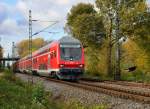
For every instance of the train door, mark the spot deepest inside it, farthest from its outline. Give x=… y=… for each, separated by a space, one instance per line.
x=49 y=65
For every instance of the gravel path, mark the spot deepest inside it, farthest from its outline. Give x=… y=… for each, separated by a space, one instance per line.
x=66 y=92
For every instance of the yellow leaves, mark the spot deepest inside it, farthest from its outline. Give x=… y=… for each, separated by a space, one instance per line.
x=23 y=46
x=102 y=65
x=96 y=60
x=136 y=56
x=141 y=6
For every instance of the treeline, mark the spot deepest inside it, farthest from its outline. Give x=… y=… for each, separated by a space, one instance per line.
x=1 y=56
x=23 y=46
x=95 y=25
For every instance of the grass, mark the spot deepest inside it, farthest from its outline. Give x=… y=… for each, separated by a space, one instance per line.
x=16 y=94
x=74 y=104
x=136 y=76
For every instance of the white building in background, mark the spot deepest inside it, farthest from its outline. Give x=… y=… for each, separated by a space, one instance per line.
x=15 y=53
x=149 y=7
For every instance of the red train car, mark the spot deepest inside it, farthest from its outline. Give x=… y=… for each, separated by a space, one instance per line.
x=63 y=59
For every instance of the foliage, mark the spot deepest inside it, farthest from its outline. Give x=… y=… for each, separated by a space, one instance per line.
x=85 y=24
x=135 y=56
x=91 y=66
x=23 y=46
x=74 y=104
x=15 y=94
x=95 y=62
x=38 y=93
x=134 y=20
x=133 y=15
x=1 y=52
x=1 y=55
x=137 y=76
x=80 y=9
x=8 y=75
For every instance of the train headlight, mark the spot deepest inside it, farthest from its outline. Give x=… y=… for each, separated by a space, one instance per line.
x=81 y=65
x=61 y=65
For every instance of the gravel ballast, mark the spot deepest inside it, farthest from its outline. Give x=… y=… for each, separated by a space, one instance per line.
x=66 y=92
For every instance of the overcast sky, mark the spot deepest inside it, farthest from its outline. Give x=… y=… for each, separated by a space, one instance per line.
x=14 y=19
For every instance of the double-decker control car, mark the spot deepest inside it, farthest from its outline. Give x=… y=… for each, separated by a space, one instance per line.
x=63 y=59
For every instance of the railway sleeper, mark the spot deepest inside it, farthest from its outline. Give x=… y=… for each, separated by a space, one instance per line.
x=111 y=92
x=121 y=89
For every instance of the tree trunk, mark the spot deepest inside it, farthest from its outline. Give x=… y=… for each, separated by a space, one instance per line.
x=118 y=54
x=109 y=55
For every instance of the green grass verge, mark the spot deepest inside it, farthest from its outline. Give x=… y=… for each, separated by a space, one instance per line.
x=16 y=94
x=137 y=76
x=74 y=104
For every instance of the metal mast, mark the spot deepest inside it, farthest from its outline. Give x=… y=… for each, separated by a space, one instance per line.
x=117 y=71
x=13 y=50
x=30 y=41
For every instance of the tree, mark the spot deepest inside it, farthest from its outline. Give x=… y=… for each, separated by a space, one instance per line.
x=23 y=46
x=130 y=17
x=106 y=10
x=85 y=24
x=79 y=9
x=1 y=55
x=1 y=52
x=89 y=24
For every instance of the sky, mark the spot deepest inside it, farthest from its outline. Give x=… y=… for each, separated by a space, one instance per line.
x=14 y=19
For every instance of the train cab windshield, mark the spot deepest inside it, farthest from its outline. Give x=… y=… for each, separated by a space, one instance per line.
x=70 y=52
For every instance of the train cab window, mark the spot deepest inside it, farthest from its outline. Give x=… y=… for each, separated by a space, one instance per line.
x=70 y=52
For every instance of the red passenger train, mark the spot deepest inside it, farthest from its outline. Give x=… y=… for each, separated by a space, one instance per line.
x=63 y=59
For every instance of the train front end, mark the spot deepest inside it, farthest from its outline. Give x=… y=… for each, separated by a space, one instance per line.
x=71 y=59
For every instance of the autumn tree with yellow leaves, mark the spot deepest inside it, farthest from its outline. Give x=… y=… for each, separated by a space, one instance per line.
x=23 y=46
x=134 y=25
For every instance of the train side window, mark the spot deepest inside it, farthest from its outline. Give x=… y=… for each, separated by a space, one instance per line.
x=51 y=55
x=54 y=53
x=34 y=60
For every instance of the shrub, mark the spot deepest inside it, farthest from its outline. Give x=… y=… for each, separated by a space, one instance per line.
x=74 y=104
x=38 y=93
x=9 y=75
x=20 y=95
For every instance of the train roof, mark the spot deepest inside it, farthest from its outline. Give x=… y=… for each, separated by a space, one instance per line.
x=63 y=40
x=69 y=40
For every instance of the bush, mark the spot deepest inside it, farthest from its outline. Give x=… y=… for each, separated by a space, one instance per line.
x=73 y=104
x=137 y=76
x=9 y=75
x=38 y=93
x=15 y=94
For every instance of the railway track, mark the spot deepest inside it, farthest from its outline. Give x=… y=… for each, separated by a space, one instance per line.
x=133 y=84
x=110 y=90
x=125 y=83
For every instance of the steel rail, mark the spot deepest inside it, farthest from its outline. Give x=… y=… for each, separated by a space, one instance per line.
x=125 y=94
x=112 y=91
